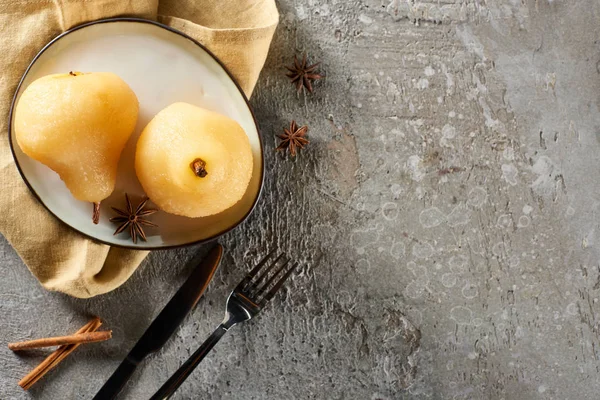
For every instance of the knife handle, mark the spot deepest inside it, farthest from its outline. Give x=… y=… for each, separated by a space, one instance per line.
x=186 y=369
x=117 y=380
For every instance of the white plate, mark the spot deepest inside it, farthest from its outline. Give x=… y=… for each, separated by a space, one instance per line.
x=162 y=66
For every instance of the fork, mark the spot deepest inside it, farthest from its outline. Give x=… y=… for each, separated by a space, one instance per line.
x=244 y=303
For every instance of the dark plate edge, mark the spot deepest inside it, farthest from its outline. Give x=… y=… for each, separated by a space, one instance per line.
x=168 y=28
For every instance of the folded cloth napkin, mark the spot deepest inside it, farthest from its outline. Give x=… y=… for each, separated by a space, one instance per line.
x=237 y=31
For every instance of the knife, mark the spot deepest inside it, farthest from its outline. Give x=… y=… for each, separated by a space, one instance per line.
x=165 y=323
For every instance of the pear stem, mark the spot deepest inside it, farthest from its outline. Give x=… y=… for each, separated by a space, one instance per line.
x=96 y=213
x=199 y=167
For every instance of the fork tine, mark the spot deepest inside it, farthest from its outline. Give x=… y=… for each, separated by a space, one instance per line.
x=271 y=279
x=278 y=285
x=266 y=271
x=254 y=271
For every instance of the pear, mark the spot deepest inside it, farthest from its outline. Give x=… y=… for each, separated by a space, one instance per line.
x=77 y=124
x=193 y=162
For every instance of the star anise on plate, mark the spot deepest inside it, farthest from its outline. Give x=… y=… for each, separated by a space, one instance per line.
x=302 y=75
x=293 y=138
x=133 y=219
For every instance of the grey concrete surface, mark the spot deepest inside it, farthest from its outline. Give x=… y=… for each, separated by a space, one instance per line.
x=445 y=212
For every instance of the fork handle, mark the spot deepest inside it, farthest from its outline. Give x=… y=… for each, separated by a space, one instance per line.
x=186 y=369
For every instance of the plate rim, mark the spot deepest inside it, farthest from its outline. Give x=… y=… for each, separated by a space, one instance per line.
x=184 y=35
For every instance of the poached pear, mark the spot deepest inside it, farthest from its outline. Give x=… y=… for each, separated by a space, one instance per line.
x=193 y=162
x=77 y=124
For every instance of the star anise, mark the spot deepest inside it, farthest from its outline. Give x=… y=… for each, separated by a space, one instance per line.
x=293 y=138
x=133 y=220
x=302 y=75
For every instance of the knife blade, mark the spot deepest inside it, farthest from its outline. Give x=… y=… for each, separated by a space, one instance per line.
x=167 y=321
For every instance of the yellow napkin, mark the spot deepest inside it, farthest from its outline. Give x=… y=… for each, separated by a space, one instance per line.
x=237 y=31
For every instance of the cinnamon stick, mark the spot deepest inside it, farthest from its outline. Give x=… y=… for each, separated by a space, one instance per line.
x=56 y=357
x=77 y=338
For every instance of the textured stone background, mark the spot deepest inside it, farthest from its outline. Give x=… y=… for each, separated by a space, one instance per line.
x=445 y=213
